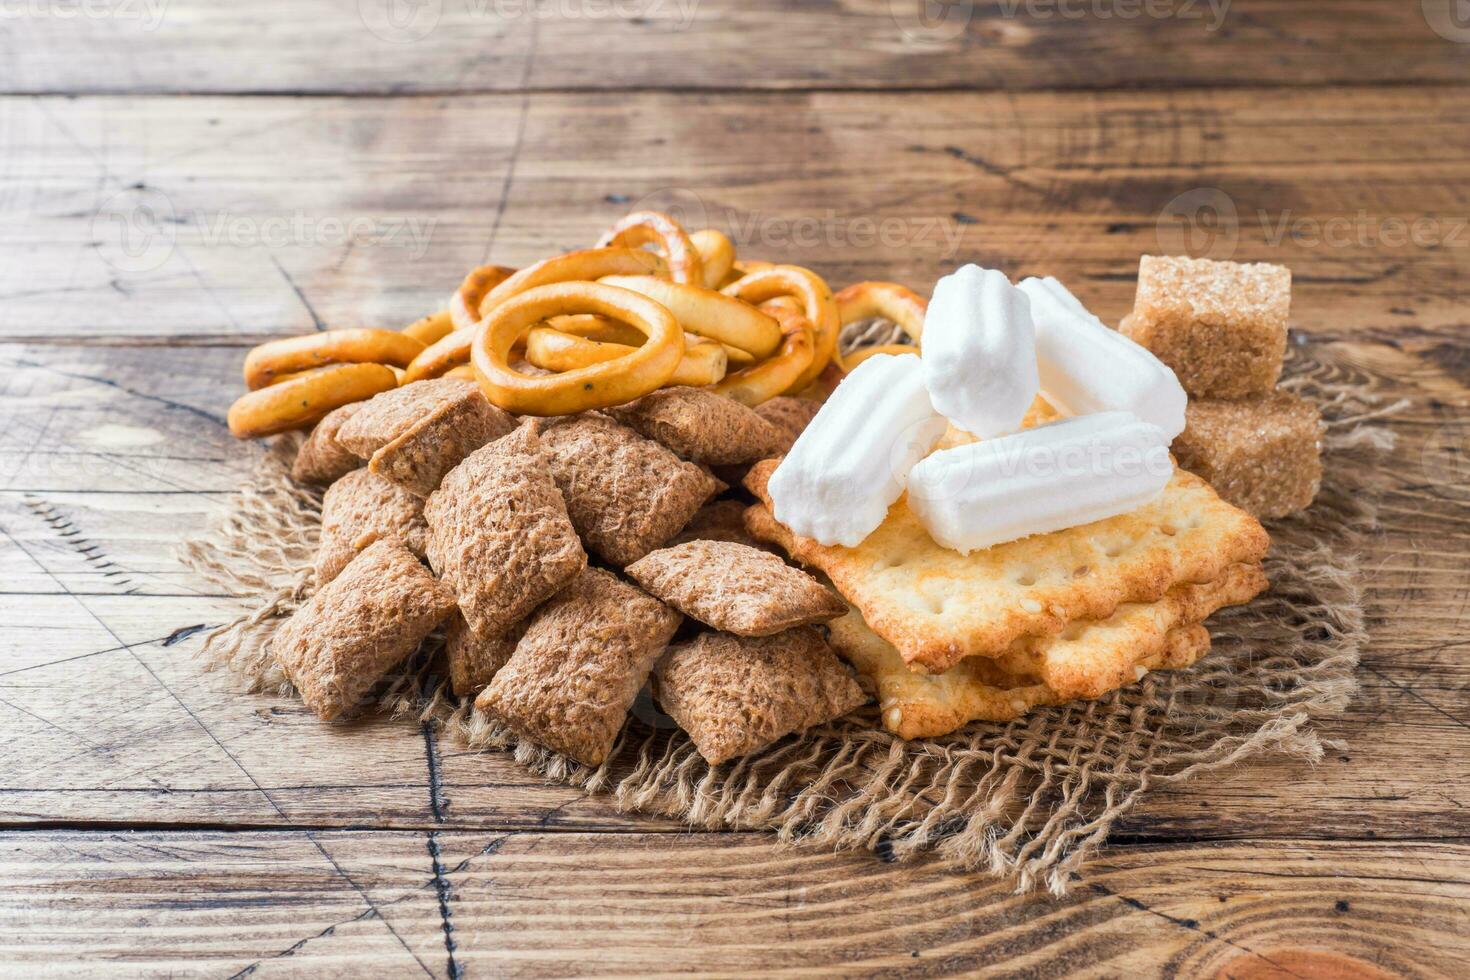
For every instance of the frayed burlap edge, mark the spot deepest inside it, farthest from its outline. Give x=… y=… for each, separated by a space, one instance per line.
x=1029 y=800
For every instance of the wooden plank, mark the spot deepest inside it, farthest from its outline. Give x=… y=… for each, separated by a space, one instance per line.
x=356 y=903
x=507 y=45
x=202 y=220
x=155 y=761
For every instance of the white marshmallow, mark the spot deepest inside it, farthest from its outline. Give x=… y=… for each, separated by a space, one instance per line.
x=853 y=460
x=1085 y=367
x=980 y=352
x=1044 y=479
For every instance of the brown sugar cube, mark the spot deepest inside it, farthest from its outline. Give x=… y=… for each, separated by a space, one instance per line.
x=1264 y=455
x=734 y=694
x=583 y=658
x=388 y=415
x=433 y=445
x=735 y=588
x=474 y=659
x=627 y=495
x=359 y=509
x=1220 y=325
x=360 y=626
x=499 y=533
x=790 y=415
x=702 y=426
x=321 y=458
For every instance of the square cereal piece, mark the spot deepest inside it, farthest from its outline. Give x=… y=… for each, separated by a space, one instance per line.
x=434 y=444
x=499 y=533
x=474 y=659
x=388 y=415
x=1220 y=325
x=360 y=626
x=719 y=520
x=734 y=695
x=359 y=509
x=790 y=415
x=735 y=588
x=1264 y=455
x=702 y=426
x=583 y=659
x=627 y=495
x=321 y=458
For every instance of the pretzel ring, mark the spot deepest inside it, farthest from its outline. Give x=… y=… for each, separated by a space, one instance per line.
x=598 y=328
x=432 y=328
x=704 y=361
x=464 y=305
x=851 y=361
x=632 y=376
x=709 y=313
x=889 y=300
x=716 y=255
x=300 y=401
x=656 y=228
x=274 y=359
x=780 y=373
x=816 y=301
x=588 y=264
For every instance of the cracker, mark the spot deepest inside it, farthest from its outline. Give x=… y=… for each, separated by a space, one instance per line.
x=938 y=606
x=435 y=444
x=475 y=659
x=499 y=533
x=386 y=416
x=359 y=509
x=790 y=415
x=626 y=495
x=735 y=695
x=360 y=626
x=702 y=426
x=978 y=689
x=321 y=458
x=735 y=588
x=583 y=659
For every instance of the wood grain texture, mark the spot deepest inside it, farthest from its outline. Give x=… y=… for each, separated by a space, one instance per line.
x=529 y=904
x=377 y=47
x=192 y=233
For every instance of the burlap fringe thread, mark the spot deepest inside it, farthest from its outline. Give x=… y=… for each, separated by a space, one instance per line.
x=1030 y=799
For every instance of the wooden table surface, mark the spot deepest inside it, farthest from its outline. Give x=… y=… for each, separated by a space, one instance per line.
x=180 y=180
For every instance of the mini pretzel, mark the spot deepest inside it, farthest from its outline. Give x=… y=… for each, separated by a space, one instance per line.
x=657 y=228
x=631 y=376
x=889 y=300
x=464 y=306
x=781 y=372
x=588 y=264
x=851 y=361
x=304 y=399
x=716 y=255
x=709 y=313
x=431 y=329
x=704 y=361
x=273 y=360
x=816 y=300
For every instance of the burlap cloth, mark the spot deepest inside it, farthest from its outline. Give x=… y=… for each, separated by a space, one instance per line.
x=1030 y=799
